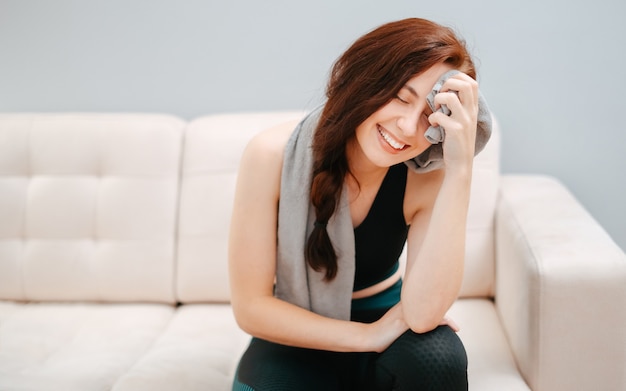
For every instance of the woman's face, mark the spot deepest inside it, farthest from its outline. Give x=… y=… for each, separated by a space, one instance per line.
x=395 y=133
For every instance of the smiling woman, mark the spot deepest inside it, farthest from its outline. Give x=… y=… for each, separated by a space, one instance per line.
x=309 y=293
x=368 y=76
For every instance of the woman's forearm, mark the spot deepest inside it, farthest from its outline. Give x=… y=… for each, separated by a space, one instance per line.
x=277 y=321
x=435 y=271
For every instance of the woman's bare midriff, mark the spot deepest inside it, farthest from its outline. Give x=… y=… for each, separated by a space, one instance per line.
x=378 y=287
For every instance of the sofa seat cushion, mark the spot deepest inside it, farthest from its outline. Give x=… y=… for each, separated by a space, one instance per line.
x=491 y=366
x=199 y=350
x=117 y=346
x=74 y=346
x=138 y=347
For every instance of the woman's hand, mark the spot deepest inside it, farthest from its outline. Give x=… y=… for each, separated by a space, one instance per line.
x=450 y=323
x=387 y=329
x=460 y=125
x=391 y=326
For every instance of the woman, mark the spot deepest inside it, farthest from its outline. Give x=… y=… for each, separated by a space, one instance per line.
x=396 y=335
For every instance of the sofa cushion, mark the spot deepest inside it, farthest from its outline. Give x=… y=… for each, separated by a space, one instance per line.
x=198 y=350
x=84 y=347
x=88 y=206
x=193 y=347
x=71 y=346
x=491 y=365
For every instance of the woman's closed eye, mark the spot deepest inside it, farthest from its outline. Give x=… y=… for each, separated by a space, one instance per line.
x=398 y=97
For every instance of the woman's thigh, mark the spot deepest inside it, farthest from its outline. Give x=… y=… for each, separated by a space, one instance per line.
x=270 y=366
x=431 y=361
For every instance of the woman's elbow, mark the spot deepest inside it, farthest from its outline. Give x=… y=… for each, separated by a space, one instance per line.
x=421 y=322
x=423 y=326
x=250 y=315
x=243 y=317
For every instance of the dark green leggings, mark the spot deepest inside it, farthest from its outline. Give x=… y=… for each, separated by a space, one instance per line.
x=431 y=361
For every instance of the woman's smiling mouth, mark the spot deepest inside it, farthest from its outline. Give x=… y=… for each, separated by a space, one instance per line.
x=392 y=142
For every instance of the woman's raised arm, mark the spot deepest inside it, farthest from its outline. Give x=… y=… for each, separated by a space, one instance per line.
x=436 y=242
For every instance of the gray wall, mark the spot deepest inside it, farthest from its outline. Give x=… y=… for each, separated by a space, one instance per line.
x=551 y=70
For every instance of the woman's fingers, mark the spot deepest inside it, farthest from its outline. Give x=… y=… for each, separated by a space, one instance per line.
x=465 y=87
x=449 y=322
x=460 y=94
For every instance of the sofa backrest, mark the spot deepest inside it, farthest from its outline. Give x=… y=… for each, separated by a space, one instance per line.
x=213 y=147
x=88 y=206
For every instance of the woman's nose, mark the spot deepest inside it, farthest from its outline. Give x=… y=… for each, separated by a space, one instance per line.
x=408 y=122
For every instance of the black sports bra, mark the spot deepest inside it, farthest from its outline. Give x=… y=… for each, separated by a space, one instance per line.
x=379 y=239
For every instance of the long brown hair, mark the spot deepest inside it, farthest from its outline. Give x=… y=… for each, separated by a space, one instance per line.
x=366 y=77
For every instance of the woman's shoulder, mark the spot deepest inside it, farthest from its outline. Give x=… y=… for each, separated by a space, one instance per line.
x=262 y=159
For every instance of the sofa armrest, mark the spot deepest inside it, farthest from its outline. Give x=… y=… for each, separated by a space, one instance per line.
x=560 y=288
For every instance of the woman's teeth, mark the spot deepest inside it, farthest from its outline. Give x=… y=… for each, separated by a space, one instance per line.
x=395 y=144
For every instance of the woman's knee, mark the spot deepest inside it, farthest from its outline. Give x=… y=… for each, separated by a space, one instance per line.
x=431 y=361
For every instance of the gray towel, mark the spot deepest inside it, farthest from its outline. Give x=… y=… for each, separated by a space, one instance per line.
x=432 y=158
x=296 y=282
x=436 y=134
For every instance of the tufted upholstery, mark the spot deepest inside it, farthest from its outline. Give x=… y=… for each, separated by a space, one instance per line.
x=70 y=183
x=113 y=272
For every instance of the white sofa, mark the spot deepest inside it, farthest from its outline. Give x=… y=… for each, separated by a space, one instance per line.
x=113 y=264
